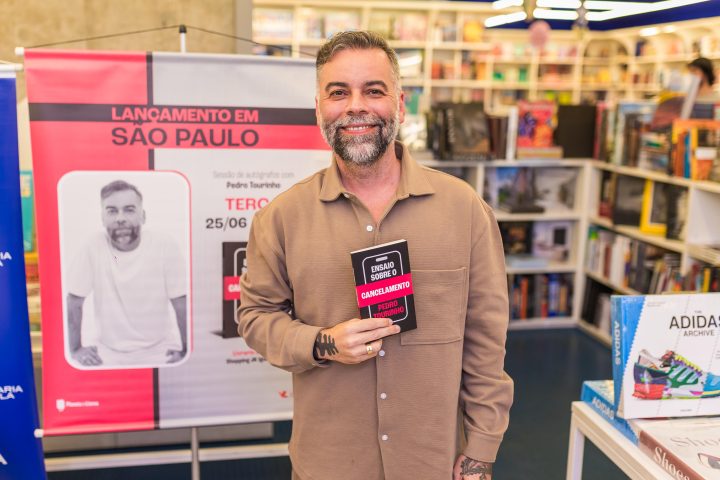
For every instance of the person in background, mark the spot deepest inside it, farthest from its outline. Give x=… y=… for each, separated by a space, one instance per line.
x=704 y=69
x=369 y=403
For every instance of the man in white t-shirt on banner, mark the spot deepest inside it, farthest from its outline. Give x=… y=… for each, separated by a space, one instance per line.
x=135 y=276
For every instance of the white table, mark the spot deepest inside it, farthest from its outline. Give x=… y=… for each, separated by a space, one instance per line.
x=586 y=423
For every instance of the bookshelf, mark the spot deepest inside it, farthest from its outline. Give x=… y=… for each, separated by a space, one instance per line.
x=699 y=249
x=448 y=55
x=567 y=267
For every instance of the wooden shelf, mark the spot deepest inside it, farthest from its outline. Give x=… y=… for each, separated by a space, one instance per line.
x=551 y=267
x=705 y=254
x=634 y=232
x=609 y=284
x=595 y=332
x=541 y=323
x=535 y=217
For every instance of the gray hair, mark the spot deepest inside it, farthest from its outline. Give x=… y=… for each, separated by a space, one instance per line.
x=356 y=40
x=118 y=186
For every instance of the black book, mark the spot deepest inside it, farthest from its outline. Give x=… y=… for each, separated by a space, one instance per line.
x=234 y=264
x=384 y=283
x=468 y=132
x=575 y=131
x=627 y=204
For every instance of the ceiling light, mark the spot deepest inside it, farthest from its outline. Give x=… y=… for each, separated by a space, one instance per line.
x=572 y=4
x=669 y=29
x=500 y=4
x=638 y=8
x=547 y=14
x=503 y=19
x=649 y=32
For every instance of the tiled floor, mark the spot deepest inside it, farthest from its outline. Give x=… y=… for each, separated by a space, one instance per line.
x=548 y=368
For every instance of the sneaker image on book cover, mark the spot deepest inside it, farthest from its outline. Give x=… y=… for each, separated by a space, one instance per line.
x=672 y=376
x=709 y=460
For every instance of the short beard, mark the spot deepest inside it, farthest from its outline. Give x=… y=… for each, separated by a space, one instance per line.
x=361 y=150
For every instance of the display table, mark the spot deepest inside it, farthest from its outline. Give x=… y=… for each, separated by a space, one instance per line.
x=585 y=422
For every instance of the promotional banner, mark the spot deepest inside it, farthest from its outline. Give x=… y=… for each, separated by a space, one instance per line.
x=20 y=452
x=148 y=171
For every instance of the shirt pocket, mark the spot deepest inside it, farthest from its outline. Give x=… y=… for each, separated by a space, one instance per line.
x=440 y=306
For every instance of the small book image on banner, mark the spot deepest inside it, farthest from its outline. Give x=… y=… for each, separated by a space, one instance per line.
x=234 y=260
x=124 y=257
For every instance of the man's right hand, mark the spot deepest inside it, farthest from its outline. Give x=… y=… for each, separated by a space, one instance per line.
x=87 y=356
x=348 y=342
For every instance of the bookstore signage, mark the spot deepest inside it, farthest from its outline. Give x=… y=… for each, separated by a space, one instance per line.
x=149 y=170
x=20 y=452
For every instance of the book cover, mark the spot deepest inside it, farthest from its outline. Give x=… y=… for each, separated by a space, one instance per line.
x=665 y=355
x=627 y=204
x=599 y=395
x=384 y=283
x=685 y=448
x=552 y=240
x=234 y=265
x=535 y=124
x=576 y=130
x=516 y=237
x=468 y=131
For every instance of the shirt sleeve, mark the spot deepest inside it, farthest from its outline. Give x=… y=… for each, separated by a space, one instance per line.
x=264 y=319
x=79 y=280
x=487 y=391
x=174 y=268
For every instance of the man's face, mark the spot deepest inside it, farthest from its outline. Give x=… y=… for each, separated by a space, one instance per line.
x=358 y=107
x=123 y=217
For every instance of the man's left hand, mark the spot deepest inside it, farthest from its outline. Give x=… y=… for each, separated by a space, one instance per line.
x=175 y=356
x=468 y=469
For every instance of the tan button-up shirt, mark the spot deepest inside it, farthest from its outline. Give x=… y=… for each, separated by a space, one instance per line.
x=396 y=416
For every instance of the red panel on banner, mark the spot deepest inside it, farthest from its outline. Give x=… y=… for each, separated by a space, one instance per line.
x=86 y=77
x=73 y=97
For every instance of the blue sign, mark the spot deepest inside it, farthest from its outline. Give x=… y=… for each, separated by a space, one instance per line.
x=21 y=456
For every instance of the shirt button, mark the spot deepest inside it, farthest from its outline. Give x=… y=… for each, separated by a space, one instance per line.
x=369 y=228
x=385 y=438
x=383 y=396
x=381 y=353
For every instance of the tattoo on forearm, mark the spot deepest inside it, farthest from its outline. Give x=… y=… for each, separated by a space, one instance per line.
x=473 y=467
x=325 y=345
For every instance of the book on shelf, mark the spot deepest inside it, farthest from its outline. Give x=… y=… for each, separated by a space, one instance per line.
x=596 y=305
x=552 y=240
x=525 y=260
x=576 y=130
x=498 y=127
x=665 y=350
x=695 y=150
x=608 y=181
x=516 y=237
x=630 y=115
x=468 y=134
x=599 y=394
x=511 y=189
x=556 y=188
x=627 y=203
x=384 y=283
x=539 y=295
x=535 y=124
x=653 y=215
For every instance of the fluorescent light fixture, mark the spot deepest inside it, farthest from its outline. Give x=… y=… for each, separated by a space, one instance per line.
x=500 y=4
x=611 y=5
x=498 y=20
x=571 y=4
x=649 y=32
x=547 y=14
x=635 y=8
x=669 y=29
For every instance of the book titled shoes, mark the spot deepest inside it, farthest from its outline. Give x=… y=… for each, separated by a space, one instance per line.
x=384 y=283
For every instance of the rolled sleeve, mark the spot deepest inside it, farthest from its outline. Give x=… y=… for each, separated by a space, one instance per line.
x=487 y=391
x=264 y=315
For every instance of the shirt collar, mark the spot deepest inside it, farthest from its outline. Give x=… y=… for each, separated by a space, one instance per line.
x=412 y=178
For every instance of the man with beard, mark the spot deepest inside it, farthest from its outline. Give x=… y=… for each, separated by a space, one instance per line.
x=368 y=403
x=134 y=276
